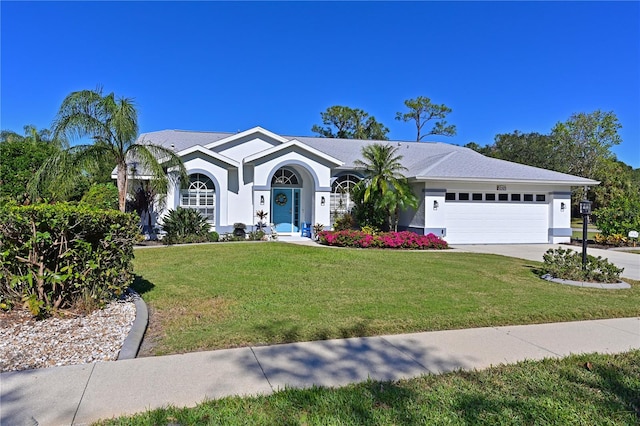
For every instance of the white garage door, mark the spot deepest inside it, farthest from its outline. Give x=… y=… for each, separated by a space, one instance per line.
x=491 y=223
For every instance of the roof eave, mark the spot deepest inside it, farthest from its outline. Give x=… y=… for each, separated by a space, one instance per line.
x=581 y=182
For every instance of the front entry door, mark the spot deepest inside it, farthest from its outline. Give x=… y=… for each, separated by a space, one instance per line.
x=286 y=209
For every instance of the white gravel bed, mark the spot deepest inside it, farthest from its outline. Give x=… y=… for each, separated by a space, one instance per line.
x=26 y=343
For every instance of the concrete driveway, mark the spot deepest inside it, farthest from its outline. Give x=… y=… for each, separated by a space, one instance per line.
x=629 y=261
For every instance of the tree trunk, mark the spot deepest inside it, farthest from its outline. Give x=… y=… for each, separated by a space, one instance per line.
x=122 y=186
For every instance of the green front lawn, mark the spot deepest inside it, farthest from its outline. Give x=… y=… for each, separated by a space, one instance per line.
x=549 y=392
x=236 y=294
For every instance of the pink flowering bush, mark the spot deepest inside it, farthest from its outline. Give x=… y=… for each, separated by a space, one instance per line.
x=397 y=240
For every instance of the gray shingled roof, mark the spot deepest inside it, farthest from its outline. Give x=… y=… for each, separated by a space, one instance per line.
x=423 y=160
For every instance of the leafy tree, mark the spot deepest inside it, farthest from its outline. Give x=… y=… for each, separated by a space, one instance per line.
x=343 y=122
x=532 y=149
x=113 y=125
x=586 y=140
x=620 y=216
x=421 y=111
x=102 y=195
x=616 y=181
x=20 y=158
x=384 y=185
x=477 y=148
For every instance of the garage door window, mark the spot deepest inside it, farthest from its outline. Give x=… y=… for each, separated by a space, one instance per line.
x=514 y=197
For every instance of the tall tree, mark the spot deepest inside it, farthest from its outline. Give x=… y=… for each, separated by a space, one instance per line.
x=384 y=183
x=421 y=111
x=343 y=122
x=532 y=149
x=587 y=139
x=113 y=125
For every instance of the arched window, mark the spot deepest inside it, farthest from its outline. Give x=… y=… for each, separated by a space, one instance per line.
x=284 y=177
x=200 y=196
x=341 y=195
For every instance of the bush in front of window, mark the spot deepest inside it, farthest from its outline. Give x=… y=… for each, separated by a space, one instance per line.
x=566 y=264
x=185 y=226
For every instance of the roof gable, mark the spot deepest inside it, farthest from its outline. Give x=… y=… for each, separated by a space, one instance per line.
x=292 y=144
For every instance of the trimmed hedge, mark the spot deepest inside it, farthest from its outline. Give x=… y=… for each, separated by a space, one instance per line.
x=395 y=240
x=64 y=256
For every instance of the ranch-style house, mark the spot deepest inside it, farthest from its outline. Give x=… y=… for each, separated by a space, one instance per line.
x=465 y=197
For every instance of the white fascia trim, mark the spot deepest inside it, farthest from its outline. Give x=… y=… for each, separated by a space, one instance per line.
x=209 y=153
x=509 y=180
x=292 y=143
x=240 y=135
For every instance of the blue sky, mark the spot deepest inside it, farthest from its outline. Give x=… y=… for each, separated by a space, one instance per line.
x=216 y=66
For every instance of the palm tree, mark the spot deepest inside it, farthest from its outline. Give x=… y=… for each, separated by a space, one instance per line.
x=385 y=185
x=113 y=125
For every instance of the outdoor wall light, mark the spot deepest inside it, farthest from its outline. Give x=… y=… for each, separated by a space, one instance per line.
x=562 y=206
x=322 y=200
x=435 y=205
x=262 y=200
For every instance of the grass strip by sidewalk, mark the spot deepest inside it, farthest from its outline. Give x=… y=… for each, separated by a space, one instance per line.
x=552 y=391
x=215 y=296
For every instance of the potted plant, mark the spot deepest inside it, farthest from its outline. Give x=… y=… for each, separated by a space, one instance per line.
x=317 y=228
x=238 y=229
x=262 y=215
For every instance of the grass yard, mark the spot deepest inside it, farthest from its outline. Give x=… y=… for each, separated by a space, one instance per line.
x=531 y=392
x=225 y=295
x=577 y=235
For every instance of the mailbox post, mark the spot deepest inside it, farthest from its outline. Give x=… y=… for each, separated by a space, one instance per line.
x=585 y=211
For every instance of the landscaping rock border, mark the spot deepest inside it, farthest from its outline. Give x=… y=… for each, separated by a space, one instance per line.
x=607 y=286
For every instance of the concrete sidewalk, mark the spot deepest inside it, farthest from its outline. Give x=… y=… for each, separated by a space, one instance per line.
x=81 y=394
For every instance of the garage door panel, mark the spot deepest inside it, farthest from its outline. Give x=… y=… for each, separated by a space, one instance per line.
x=487 y=223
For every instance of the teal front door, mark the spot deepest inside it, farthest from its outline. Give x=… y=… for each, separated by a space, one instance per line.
x=286 y=209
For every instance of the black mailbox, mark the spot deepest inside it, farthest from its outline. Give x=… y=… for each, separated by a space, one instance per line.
x=585 y=207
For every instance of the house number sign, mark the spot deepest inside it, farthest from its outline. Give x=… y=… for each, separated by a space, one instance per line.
x=501 y=188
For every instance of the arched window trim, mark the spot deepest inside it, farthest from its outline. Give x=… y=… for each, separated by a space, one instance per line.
x=200 y=196
x=285 y=177
x=341 y=188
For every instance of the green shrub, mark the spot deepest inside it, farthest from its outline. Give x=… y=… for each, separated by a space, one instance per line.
x=344 y=222
x=257 y=235
x=102 y=196
x=214 y=237
x=566 y=264
x=185 y=226
x=64 y=256
x=619 y=217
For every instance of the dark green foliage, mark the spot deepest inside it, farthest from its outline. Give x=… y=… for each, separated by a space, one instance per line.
x=257 y=235
x=214 y=237
x=567 y=265
x=620 y=216
x=102 y=196
x=344 y=222
x=344 y=122
x=533 y=149
x=20 y=158
x=185 y=226
x=64 y=256
x=385 y=189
